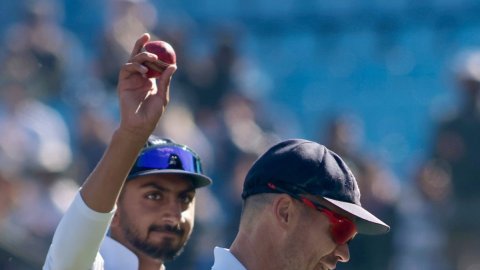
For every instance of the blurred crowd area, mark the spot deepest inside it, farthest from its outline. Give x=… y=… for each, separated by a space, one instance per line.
x=392 y=86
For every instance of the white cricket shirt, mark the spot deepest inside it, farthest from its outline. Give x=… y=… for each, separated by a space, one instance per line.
x=224 y=260
x=79 y=242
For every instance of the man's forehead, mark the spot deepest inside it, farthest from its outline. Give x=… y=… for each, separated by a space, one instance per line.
x=166 y=182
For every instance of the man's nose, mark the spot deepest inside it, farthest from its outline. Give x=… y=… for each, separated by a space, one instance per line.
x=172 y=213
x=342 y=252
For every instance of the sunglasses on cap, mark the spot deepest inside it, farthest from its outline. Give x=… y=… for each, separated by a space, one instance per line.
x=342 y=230
x=168 y=156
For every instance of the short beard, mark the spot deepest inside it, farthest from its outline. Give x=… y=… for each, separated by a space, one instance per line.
x=164 y=251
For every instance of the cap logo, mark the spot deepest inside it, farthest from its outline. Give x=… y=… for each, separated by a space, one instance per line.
x=174 y=162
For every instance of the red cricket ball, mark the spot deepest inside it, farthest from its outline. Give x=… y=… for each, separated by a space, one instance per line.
x=166 y=56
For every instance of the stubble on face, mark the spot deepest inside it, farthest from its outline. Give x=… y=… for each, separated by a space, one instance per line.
x=308 y=245
x=165 y=250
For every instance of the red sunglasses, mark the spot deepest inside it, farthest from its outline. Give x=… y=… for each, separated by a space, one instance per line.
x=342 y=229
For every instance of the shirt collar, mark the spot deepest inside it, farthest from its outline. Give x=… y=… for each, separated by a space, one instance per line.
x=224 y=260
x=116 y=256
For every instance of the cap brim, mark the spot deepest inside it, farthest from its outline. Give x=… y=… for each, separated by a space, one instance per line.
x=365 y=221
x=198 y=180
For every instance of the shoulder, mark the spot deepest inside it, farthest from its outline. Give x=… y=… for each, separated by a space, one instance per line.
x=224 y=260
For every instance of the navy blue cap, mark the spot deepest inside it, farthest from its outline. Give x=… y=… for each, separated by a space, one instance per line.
x=317 y=170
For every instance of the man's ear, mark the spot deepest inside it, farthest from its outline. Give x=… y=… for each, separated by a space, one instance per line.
x=120 y=201
x=116 y=218
x=283 y=208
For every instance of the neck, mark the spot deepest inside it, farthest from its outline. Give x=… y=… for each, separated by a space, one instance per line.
x=254 y=250
x=147 y=263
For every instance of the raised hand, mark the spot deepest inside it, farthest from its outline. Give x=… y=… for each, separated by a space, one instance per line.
x=142 y=100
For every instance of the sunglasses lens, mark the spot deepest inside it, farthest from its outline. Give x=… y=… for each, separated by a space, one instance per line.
x=342 y=230
x=167 y=157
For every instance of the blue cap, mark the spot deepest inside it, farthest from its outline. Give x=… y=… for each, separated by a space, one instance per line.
x=163 y=156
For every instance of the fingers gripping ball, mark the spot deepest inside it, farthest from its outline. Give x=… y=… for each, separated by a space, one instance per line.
x=166 y=56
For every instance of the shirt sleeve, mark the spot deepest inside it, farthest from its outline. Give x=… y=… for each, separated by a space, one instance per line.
x=77 y=238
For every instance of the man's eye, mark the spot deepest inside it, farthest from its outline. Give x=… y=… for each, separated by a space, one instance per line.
x=154 y=196
x=186 y=199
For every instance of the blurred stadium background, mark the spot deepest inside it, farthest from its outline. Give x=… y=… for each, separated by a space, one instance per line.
x=377 y=81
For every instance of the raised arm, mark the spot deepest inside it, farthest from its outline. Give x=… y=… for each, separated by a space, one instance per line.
x=142 y=102
x=141 y=105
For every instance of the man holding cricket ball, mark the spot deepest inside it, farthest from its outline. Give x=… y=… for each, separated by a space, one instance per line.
x=136 y=209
